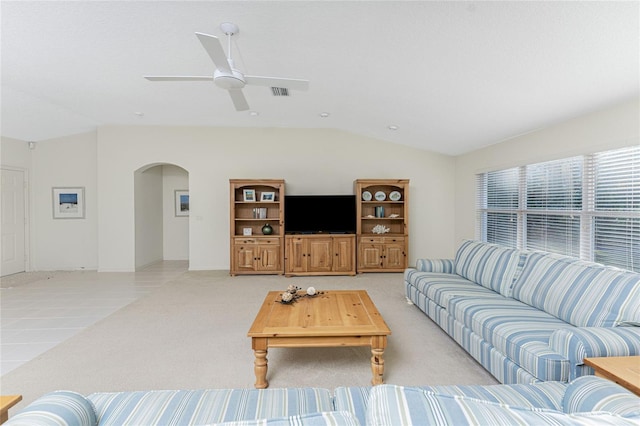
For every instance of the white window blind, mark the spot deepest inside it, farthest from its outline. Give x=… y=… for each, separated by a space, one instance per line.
x=497 y=206
x=616 y=219
x=553 y=194
x=586 y=207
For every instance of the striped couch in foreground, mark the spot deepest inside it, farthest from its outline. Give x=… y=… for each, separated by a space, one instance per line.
x=529 y=316
x=586 y=401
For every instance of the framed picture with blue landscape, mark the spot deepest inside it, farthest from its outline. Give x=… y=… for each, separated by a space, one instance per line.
x=182 y=202
x=68 y=203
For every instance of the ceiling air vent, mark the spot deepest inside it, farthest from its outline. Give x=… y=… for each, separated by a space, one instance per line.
x=280 y=91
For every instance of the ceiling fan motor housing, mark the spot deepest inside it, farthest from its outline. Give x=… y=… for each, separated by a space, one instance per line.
x=233 y=80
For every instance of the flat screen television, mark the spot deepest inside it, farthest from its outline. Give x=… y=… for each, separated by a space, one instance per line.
x=312 y=214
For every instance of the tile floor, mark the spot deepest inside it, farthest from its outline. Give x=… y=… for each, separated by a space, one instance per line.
x=40 y=310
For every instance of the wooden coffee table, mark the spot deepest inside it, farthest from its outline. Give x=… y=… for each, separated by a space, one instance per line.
x=624 y=370
x=334 y=318
x=6 y=402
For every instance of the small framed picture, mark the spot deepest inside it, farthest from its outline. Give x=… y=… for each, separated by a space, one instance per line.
x=246 y=231
x=249 y=194
x=267 y=196
x=182 y=202
x=68 y=203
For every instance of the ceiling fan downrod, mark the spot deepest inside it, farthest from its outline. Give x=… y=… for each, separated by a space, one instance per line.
x=230 y=29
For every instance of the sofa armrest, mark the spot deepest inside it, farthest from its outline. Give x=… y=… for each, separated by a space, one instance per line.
x=579 y=343
x=444 y=266
x=591 y=393
x=60 y=408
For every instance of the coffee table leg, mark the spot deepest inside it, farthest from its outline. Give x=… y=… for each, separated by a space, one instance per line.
x=378 y=343
x=260 y=363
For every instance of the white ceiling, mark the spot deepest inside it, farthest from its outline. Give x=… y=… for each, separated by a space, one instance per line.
x=453 y=76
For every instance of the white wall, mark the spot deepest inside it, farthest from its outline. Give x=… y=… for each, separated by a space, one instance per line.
x=148 y=216
x=176 y=228
x=442 y=190
x=612 y=128
x=64 y=244
x=15 y=153
x=311 y=161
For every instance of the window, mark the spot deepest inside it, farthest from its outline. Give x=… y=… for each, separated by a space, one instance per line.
x=586 y=207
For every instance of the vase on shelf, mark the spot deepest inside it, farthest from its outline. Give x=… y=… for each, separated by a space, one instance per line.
x=267 y=229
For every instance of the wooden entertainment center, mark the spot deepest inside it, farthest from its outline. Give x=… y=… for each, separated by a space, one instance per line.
x=261 y=244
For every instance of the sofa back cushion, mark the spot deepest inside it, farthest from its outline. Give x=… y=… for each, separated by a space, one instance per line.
x=489 y=265
x=397 y=405
x=191 y=407
x=580 y=293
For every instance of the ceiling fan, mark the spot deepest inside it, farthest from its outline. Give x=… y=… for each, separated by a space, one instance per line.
x=226 y=76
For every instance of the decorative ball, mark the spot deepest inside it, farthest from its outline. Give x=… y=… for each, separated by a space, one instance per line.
x=292 y=289
x=311 y=291
x=287 y=297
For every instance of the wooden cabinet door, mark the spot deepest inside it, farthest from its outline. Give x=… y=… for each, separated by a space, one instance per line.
x=268 y=258
x=370 y=256
x=394 y=256
x=245 y=258
x=320 y=254
x=296 y=255
x=343 y=254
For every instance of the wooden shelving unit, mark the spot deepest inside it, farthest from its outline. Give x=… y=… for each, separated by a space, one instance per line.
x=252 y=251
x=388 y=251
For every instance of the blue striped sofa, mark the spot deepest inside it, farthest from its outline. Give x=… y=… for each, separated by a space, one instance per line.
x=588 y=400
x=529 y=316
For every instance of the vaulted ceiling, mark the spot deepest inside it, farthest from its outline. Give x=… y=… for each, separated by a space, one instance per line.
x=452 y=76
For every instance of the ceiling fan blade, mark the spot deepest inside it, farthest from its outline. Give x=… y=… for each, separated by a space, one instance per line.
x=239 y=101
x=289 y=83
x=178 y=78
x=214 y=48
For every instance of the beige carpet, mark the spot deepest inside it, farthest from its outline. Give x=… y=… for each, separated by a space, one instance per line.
x=191 y=334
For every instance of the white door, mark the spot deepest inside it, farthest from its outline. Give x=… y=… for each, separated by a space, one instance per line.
x=13 y=222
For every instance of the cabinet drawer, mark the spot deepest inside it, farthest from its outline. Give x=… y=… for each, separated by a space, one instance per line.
x=381 y=240
x=261 y=241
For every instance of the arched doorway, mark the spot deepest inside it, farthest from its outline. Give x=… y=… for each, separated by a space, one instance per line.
x=161 y=214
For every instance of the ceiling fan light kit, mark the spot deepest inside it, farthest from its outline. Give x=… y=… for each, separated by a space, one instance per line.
x=229 y=78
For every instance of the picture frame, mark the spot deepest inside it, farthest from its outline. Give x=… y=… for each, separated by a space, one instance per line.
x=181 y=201
x=249 y=194
x=247 y=231
x=267 y=196
x=68 y=202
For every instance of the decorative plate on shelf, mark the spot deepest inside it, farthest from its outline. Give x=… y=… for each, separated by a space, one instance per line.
x=366 y=196
x=395 y=196
x=380 y=196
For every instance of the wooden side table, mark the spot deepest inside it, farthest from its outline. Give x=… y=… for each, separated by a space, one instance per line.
x=6 y=402
x=624 y=370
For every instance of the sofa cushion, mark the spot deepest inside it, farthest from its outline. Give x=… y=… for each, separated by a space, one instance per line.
x=547 y=395
x=517 y=330
x=442 y=287
x=538 y=395
x=60 y=408
x=581 y=293
x=591 y=393
x=490 y=265
x=193 y=407
x=327 y=418
x=397 y=405
x=444 y=266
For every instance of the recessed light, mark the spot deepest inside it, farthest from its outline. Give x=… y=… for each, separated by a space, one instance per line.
x=324 y=114
x=254 y=113
x=139 y=114
x=393 y=127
